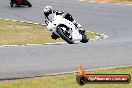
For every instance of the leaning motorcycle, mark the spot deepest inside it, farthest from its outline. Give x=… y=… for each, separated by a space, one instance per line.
x=20 y=3
x=63 y=27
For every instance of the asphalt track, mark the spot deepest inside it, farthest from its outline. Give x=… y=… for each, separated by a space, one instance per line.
x=110 y=19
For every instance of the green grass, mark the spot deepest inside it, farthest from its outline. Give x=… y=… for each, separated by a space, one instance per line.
x=67 y=81
x=121 y=1
x=16 y=33
x=130 y=0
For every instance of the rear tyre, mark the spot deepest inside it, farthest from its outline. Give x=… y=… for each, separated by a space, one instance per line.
x=64 y=36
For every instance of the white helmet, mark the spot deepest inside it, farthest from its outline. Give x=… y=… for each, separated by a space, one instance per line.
x=47 y=10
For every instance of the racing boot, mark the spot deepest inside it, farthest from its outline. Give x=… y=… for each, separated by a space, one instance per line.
x=54 y=36
x=12 y=3
x=81 y=31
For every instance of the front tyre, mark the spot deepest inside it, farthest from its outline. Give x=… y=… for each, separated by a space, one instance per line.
x=64 y=36
x=28 y=4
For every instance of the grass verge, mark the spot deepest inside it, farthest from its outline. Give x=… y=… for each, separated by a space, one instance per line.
x=16 y=33
x=67 y=81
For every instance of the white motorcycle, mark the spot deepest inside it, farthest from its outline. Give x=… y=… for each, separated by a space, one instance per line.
x=63 y=27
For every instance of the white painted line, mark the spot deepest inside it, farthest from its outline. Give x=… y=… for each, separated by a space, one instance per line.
x=15 y=20
x=10 y=45
x=43 y=24
x=29 y=22
x=23 y=21
x=6 y=19
x=36 y=23
x=32 y=44
x=49 y=43
x=74 y=72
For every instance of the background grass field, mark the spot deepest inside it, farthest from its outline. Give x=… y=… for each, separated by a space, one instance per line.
x=66 y=81
x=16 y=33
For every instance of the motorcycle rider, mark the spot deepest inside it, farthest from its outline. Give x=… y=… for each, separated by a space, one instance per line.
x=49 y=16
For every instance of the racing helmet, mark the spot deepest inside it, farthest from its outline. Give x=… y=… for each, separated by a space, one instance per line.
x=47 y=10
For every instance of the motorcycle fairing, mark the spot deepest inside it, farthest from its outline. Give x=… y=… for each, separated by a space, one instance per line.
x=76 y=36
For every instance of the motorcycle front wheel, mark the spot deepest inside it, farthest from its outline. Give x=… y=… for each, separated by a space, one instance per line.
x=64 y=35
x=28 y=3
